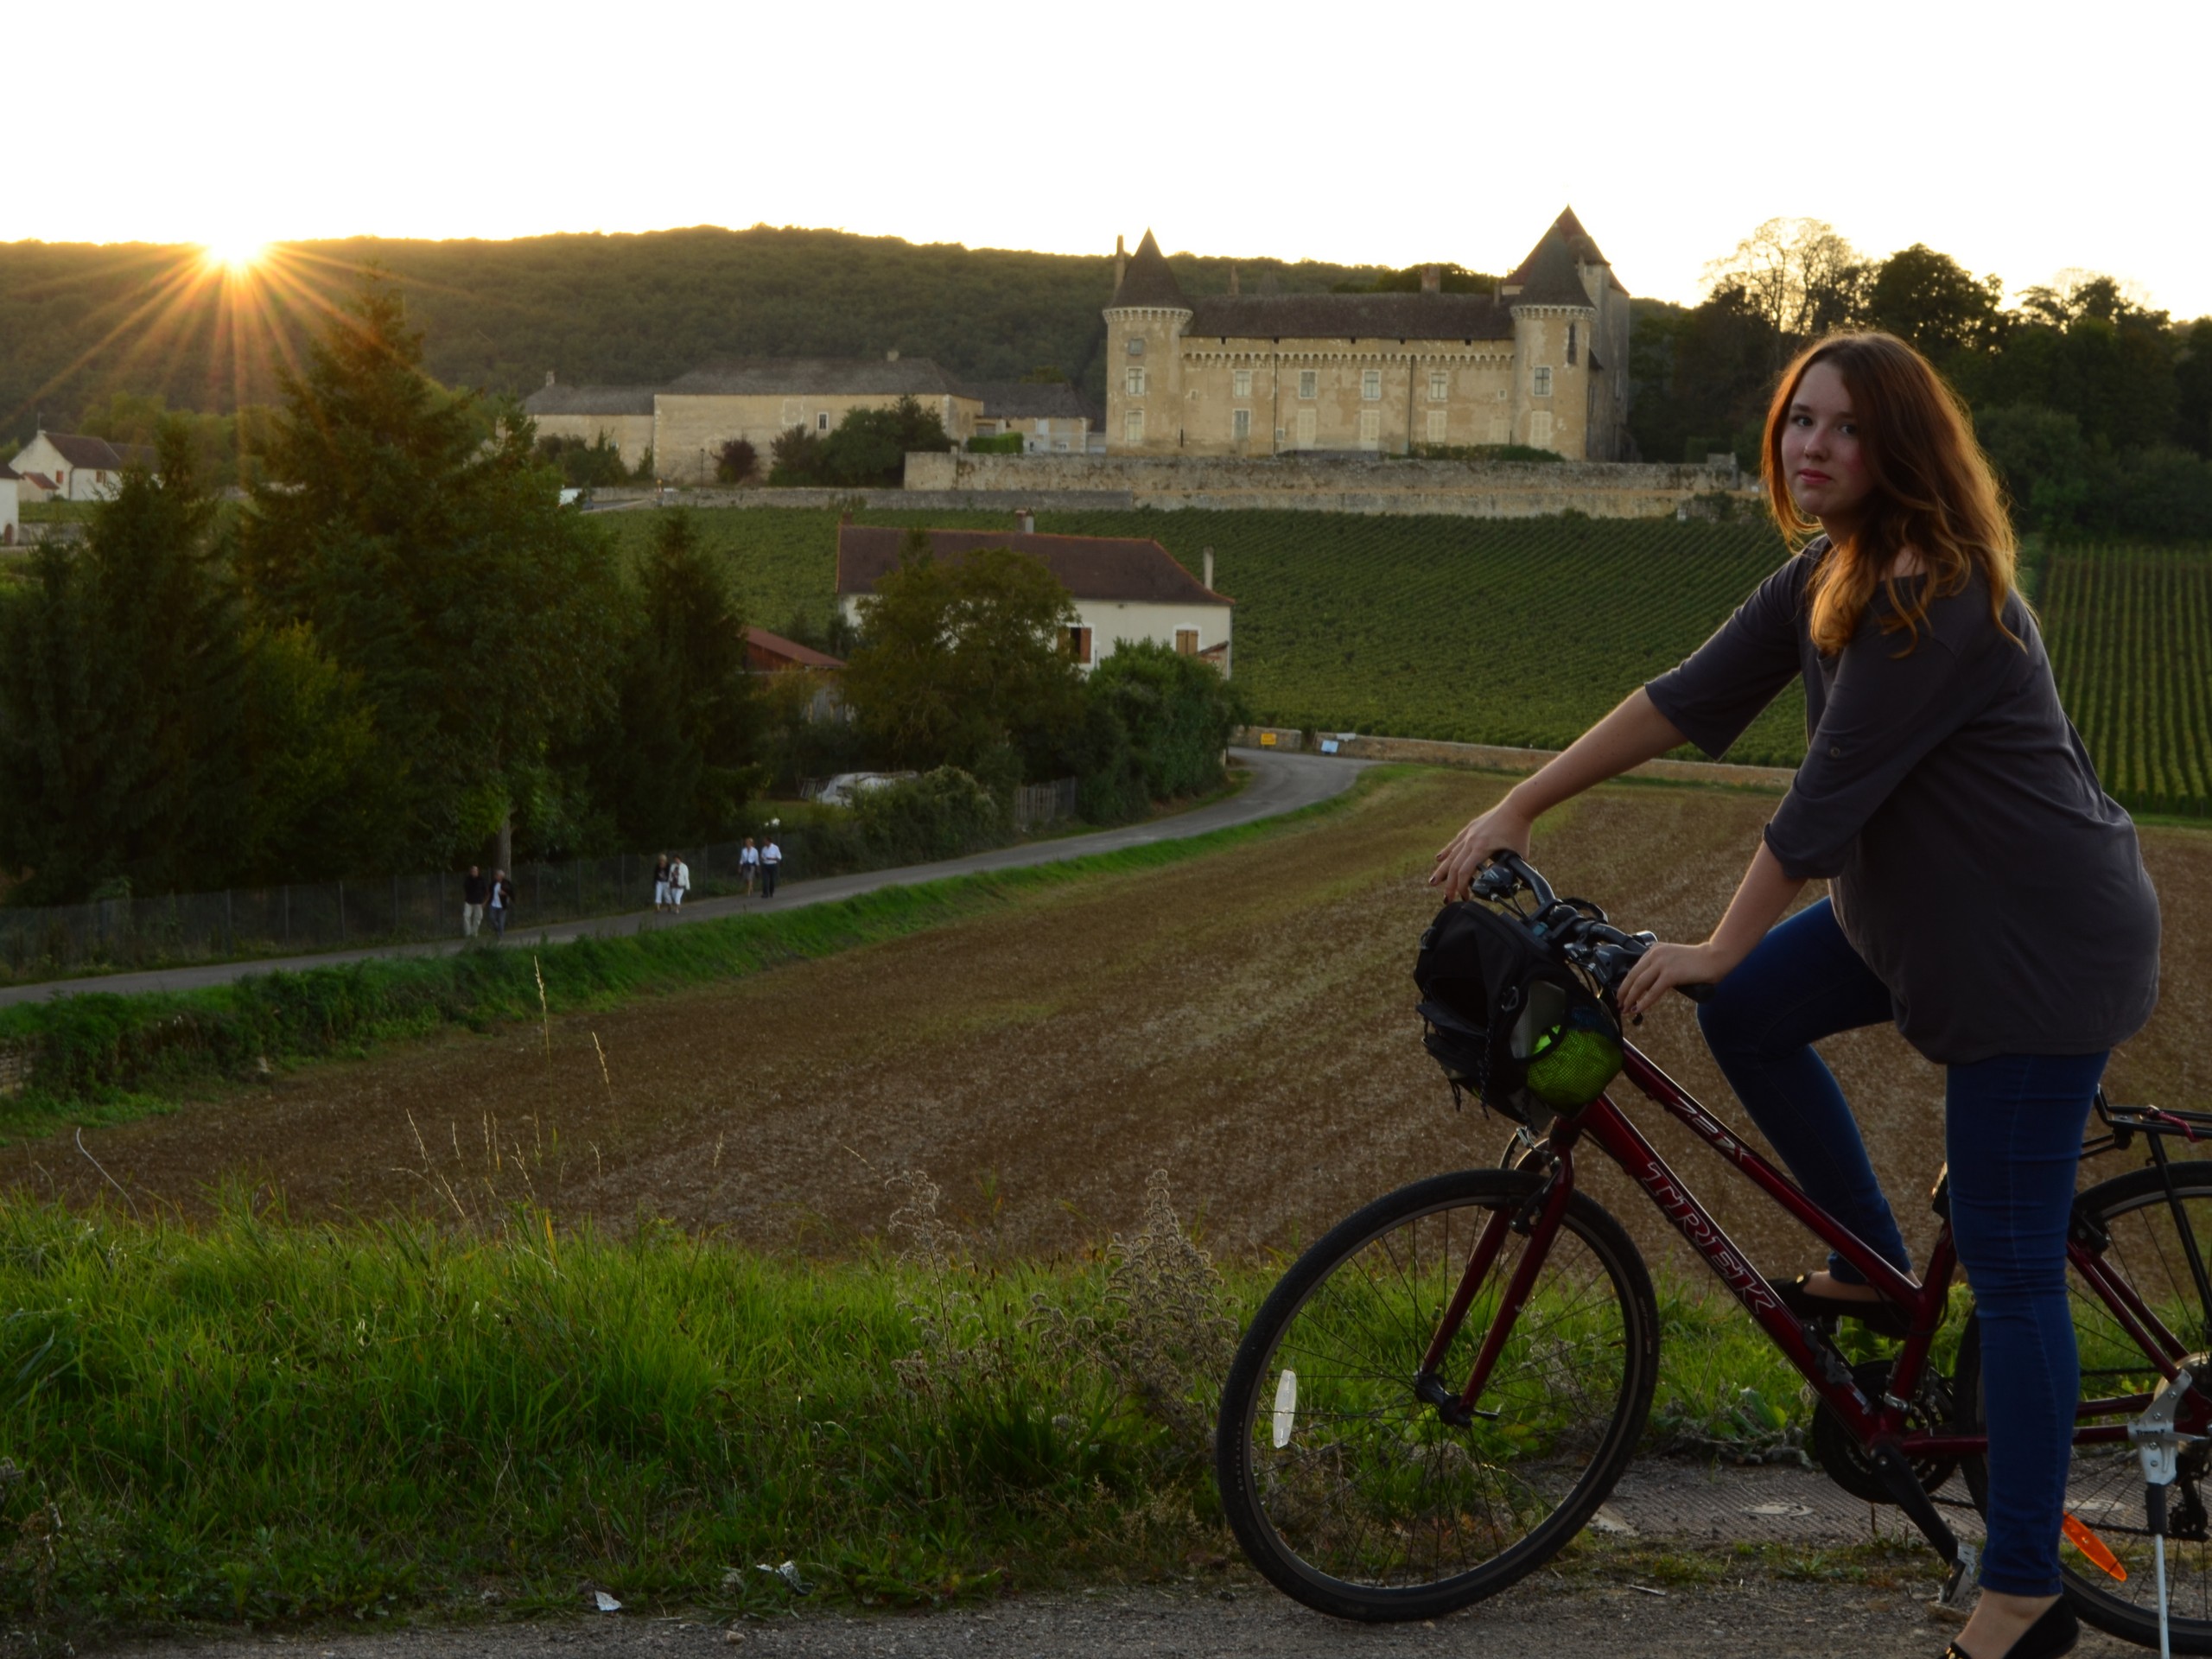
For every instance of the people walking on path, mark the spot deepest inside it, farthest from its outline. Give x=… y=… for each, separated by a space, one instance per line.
x=748 y=865
x=679 y=881
x=660 y=883
x=474 y=890
x=772 y=860
x=502 y=903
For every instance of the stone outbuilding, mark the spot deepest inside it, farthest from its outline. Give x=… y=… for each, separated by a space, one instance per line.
x=1051 y=418
x=1125 y=588
x=81 y=468
x=621 y=415
x=1541 y=361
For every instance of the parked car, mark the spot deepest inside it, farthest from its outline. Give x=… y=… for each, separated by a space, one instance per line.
x=848 y=787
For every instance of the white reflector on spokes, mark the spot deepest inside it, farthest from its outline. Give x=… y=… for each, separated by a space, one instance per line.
x=1286 y=1407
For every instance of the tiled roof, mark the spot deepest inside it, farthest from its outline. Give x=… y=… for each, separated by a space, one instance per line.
x=99 y=453
x=791 y=377
x=1089 y=567
x=589 y=400
x=1147 y=281
x=1350 y=316
x=1548 y=276
x=1565 y=232
x=1028 y=400
x=769 y=651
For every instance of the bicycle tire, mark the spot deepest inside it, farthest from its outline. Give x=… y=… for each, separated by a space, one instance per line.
x=1334 y=1480
x=2104 y=1487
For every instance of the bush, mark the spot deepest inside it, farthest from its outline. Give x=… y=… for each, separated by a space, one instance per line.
x=942 y=814
x=1006 y=444
x=737 y=463
x=1177 y=713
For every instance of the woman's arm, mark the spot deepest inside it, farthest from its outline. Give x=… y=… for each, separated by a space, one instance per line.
x=1762 y=895
x=1634 y=733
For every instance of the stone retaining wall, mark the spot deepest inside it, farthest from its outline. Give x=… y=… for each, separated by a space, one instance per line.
x=902 y=500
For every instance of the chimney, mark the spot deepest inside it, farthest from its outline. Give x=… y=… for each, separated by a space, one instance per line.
x=1208 y=578
x=1121 y=263
x=1025 y=521
x=549 y=376
x=1432 y=279
x=1233 y=287
x=891 y=356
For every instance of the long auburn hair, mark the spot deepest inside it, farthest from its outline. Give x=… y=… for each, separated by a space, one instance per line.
x=1934 y=492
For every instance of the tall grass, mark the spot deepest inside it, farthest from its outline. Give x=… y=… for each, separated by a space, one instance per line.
x=261 y=1421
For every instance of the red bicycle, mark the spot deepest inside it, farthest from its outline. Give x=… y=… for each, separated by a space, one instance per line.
x=1435 y=1398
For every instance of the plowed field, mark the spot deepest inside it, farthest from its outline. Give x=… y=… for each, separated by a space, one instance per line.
x=1241 y=1020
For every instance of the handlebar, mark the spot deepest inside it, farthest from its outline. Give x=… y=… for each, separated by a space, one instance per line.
x=1579 y=927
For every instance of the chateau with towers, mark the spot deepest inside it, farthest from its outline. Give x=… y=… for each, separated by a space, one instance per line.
x=1542 y=360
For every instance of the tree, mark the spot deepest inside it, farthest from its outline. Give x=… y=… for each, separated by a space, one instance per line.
x=676 y=758
x=960 y=659
x=1178 y=711
x=412 y=529
x=738 y=463
x=596 y=465
x=1929 y=299
x=121 y=679
x=1797 y=275
x=1451 y=279
x=868 y=448
x=796 y=460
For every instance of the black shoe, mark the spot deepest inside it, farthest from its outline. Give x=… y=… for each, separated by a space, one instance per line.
x=2049 y=1637
x=1884 y=1318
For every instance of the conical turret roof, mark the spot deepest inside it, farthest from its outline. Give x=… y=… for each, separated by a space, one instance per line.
x=1548 y=276
x=1149 y=281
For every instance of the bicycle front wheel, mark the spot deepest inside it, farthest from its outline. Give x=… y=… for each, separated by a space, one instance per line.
x=2132 y=1225
x=1352 y=1493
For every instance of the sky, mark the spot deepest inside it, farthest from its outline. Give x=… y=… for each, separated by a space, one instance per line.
x=2024 y=139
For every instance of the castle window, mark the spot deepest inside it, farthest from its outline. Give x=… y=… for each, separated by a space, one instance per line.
x=1436 y=426
x=1371 y=385
x=1540 y=427
x=822 y=420
x=1133 y=383
x=1539 y=383
x=1570 y=344
x=1501 y=428
x=1370 y=428
x=1240 y=424
x=1440 y=385
x=1136 y=347
x=1309 y=382
x=1133 y=426
x=1243 y=383
x=1308 y=427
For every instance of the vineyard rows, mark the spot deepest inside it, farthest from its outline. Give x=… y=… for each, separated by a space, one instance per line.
x=1524 y=630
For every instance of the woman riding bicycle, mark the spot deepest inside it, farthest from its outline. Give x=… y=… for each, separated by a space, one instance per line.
x=1986 y=894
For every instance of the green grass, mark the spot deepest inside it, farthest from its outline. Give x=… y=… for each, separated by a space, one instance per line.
x=1525 y=631
x=259 y=1420
x=99 y=1058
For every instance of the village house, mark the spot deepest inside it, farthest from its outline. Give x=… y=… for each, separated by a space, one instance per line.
x=687 y=422
x=80 y=468
x=1541 y=361
x=1051 y=418
x=10 y=520
x=772 y=654
x=1125 y=589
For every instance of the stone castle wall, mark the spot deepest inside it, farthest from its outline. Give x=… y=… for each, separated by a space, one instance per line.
x=1334 y=484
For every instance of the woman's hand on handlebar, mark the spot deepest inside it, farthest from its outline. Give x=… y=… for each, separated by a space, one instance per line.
x=1663 y=967
x=1501 y=830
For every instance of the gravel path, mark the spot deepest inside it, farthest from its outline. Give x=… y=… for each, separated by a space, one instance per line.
x=1280 y=784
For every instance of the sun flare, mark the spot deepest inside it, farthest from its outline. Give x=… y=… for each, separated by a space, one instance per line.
x=235 y=255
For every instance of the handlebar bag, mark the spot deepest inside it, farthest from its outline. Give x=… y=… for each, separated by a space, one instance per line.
x=1505 y=1017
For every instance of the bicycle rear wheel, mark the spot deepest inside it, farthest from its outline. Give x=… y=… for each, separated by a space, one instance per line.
x=1350 y=1493
x=2143 y=1246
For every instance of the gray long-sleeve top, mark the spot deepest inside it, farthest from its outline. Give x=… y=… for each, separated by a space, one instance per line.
x=1975 y=862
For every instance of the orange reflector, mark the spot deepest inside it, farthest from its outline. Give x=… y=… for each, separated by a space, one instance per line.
x=2093 y=1546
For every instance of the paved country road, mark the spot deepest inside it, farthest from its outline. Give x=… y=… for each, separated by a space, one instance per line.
x=1280 y=784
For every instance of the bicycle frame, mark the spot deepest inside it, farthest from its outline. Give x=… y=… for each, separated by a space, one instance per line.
x=1876 y=1424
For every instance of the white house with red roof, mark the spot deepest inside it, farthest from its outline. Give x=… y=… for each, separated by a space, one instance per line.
x=1125 y=589
x=81 y=468
x=11 y=529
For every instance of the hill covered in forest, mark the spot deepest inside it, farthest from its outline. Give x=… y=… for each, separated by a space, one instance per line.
x=80 y=323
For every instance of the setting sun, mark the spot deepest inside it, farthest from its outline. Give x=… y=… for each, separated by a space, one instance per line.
x=237 y=255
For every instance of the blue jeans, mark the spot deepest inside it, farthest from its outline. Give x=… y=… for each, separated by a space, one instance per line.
x=2012 y=1134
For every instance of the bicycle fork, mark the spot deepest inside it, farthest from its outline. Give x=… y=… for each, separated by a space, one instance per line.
x=1539 y=1219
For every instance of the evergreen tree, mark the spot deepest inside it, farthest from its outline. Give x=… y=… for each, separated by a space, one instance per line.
x=121 y=675
x=676 y=759
x=413 y=529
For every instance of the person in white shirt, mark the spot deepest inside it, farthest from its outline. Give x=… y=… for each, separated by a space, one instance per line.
x=748 y=865
x=771 y=858
x=679 y=881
